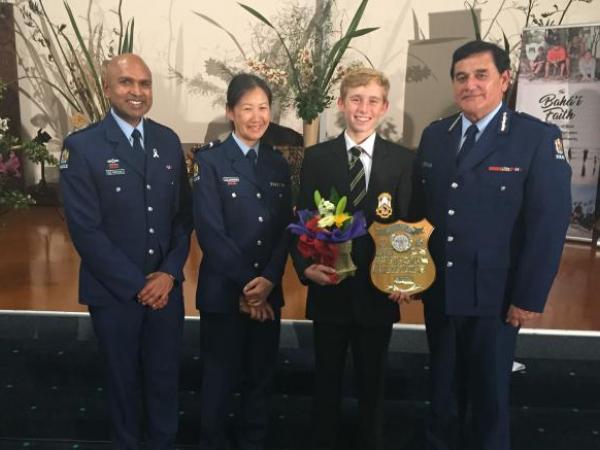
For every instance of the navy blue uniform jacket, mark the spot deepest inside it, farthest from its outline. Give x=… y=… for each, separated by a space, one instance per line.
x=125 y=220
x=240 y=216
x=500 y=218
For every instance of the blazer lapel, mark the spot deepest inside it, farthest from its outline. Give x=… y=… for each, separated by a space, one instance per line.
x=340 y=172
x=239 y=163
x=121 y=146
x=378 y=167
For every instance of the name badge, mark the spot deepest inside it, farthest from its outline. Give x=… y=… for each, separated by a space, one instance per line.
x=277 y=184
x=231 y=181
x=113 y=167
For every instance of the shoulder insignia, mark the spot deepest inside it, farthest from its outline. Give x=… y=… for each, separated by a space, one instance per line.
x=86 y=128
x=530 y=117
x=207 y=146
x=195 y=171
x=64 y=159
x=559 y=148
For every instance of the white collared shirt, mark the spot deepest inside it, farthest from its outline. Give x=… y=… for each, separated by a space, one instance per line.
x=366 y=156
x=245 y=148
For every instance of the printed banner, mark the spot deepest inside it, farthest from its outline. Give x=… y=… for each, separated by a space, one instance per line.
x=559 y=76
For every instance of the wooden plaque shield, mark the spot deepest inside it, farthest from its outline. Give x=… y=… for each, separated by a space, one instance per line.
x=402 y=262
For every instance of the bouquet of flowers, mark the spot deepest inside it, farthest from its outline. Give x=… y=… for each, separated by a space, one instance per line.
x=326 y=233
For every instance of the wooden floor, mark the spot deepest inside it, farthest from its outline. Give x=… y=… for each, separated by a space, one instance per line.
x=39 y=267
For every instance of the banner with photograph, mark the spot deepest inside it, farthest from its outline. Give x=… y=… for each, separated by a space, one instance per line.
x=559 y=75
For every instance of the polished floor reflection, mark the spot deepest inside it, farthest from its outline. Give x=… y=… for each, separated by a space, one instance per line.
x=39 y=267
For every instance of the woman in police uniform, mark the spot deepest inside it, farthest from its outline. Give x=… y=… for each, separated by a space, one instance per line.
x=242 y=205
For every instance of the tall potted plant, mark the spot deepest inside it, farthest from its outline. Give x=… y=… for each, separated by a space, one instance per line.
x=313 y=71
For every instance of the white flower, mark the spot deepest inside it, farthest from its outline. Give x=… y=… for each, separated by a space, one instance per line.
x=326 y=208
x=326 y=221
x=3 y=126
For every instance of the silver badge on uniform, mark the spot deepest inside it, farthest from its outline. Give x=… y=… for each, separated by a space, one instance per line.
x=155 y=153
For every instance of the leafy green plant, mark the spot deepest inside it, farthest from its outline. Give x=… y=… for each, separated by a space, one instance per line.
x=11 y=197
x=67 y=63
x=298 y=52
x=312 y=72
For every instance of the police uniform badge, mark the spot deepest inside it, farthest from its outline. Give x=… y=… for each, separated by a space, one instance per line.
x=384 y=205
x=195 y=172
x=560 y=151
x=64 y=159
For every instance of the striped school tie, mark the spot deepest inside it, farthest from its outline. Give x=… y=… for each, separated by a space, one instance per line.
x=358 y=185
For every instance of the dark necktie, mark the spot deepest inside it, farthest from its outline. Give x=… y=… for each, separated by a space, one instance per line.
x=468 y=144
x=252 y=157
x=138 y=151
x=358 y=185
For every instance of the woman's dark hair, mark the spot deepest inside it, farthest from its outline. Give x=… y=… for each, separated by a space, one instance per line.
x=242 y=83
x=501 y=58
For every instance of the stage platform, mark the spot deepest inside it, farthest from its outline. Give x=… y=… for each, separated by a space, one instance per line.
x=39 y=269
x=52 y=388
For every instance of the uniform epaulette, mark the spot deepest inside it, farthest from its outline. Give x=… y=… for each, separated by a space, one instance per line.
x=207 y=146
x=530 y=117
x=87 y=127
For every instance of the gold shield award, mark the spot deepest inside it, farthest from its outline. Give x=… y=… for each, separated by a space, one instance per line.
x=402 y=261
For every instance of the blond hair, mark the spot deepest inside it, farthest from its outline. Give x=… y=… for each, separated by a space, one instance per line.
x=362 y=77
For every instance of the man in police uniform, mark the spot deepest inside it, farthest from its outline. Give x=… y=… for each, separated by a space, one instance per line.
x=495 y=184
x=375 y=175
x=127 y=203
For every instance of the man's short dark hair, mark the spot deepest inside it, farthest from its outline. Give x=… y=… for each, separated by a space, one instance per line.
x=500 y=57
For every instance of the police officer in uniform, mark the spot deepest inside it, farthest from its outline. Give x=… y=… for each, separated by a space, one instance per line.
x=127 y=203
x=242 y=205
x=495 y=184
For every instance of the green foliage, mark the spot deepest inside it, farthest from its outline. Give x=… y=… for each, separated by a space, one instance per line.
x=10 y=196
x=313 y=97
x=38 y=153
x=67 y=61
